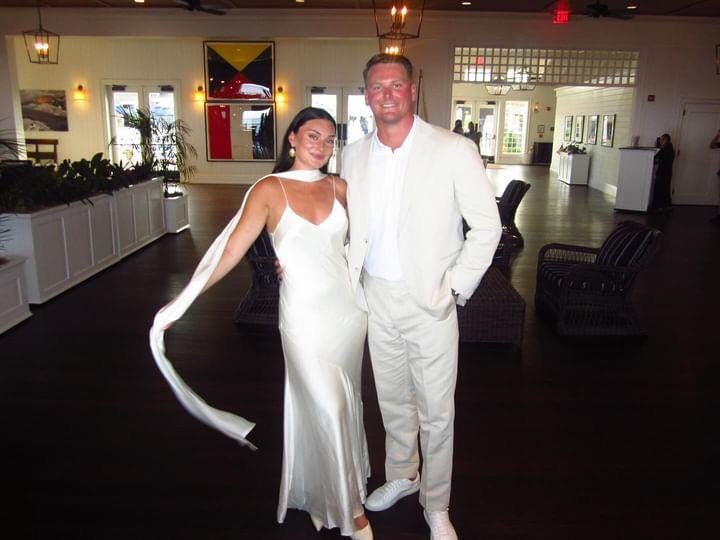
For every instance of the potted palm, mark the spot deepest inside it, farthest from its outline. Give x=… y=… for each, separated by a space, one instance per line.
x=165 y=147
x=13 y=298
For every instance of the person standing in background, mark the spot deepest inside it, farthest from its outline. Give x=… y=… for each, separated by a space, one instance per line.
x=473 y=134
x=663 y=160
x=715 y=143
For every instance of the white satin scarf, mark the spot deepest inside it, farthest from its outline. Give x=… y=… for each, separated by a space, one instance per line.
x=230 y=424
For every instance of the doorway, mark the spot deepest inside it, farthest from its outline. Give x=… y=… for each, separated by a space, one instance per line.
x=695 y=178
x=158 y=99
x=347 y=106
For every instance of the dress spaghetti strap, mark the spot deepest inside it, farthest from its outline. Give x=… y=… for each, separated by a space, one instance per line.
x=287 y=203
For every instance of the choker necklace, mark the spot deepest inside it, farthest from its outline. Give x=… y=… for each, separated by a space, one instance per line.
x=303 y=175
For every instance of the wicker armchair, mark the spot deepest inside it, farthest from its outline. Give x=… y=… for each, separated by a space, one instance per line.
x=507 y=207
x=259 y=308
x=587 y=291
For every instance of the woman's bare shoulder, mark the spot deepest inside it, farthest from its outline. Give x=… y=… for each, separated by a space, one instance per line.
x=340 y=184
x=266 y=192
x=341 y=190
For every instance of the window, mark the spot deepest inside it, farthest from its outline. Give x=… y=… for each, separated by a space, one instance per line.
x=516 y=114
x=546 y=66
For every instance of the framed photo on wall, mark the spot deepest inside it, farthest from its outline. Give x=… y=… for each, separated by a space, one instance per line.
x=240 y=131
x=608 y=129
x=567 y=132
x=592 y=129
x=579 y=128
x=239 y=70
x=44 y=110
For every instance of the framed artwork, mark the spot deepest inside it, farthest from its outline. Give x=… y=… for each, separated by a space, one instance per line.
x=44 y=110
x=592 y=129
x=541 y=128
x=608 y=129
x=579 y=128
x=240 y=131
x=239 y=70
x=567 y=133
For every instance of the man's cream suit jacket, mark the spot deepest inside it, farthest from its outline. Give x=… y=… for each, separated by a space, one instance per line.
x=445 y=180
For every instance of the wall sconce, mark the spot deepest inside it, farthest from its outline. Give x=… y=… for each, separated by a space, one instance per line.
x=536 y=107
x=281 y=94
x=200 y=93
x=80 y=93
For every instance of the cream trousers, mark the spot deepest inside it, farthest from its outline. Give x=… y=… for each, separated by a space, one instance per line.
x=414 y=358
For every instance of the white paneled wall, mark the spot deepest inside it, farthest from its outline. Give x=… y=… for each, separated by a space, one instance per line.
x=588 y=101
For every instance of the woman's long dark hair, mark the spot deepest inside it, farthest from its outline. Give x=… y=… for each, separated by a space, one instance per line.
x=285 y=162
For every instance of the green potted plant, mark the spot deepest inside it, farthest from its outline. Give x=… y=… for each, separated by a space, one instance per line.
x=10 y=145
x=164 y=146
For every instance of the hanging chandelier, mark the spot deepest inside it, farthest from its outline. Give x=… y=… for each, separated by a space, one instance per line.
x=393 y=40
x=43 y=46
x=523 y=80
x=498 y=86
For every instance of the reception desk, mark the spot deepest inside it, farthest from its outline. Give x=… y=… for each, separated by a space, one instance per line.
x=635 y=179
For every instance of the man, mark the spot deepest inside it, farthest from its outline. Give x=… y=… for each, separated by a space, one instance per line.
x=715 y=143
x=663 y=163
x=473 y=134
x=409 y=185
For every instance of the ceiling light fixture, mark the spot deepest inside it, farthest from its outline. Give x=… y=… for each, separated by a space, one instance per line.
x=498 y=87
x=393 y=40
x=522 y=80
x=43 y=46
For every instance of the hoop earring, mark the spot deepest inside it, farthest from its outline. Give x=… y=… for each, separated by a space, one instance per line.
x=292 y=152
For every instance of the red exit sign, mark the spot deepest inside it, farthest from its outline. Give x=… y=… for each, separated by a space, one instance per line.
x=561 y=16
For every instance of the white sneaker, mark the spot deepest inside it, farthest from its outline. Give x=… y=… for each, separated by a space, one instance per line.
x=440 y=526
x=391 y=492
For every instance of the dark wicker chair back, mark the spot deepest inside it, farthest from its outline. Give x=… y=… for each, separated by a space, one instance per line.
x=507 y=207
x=587 y=291
x=260 y=304
x=629 y=244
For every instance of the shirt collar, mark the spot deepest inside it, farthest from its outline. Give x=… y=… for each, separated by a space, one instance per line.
x=378 y=147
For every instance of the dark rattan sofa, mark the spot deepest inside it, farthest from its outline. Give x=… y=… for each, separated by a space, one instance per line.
x=495 y=313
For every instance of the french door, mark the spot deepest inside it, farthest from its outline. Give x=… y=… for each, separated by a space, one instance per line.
x=158 y=99
x=347 y=106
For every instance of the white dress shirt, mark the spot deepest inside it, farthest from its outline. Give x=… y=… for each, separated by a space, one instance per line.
x=387 y=174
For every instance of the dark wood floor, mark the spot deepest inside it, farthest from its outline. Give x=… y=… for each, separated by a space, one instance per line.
x=563 y=439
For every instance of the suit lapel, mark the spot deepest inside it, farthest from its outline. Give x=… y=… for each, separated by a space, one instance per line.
x=417 y=167
x=359 y=176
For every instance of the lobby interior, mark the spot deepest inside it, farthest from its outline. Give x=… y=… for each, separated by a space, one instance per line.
x=562 y=438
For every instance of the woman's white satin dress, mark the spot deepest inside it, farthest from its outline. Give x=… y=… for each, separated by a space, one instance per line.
x=325 y=462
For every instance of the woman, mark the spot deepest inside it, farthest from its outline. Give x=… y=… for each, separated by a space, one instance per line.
x=325 y=463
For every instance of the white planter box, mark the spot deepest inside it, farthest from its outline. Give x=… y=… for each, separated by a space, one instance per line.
x=176 y=213
x=140 y=215
x=13 y=301
x=67 y=244
x=573 y=168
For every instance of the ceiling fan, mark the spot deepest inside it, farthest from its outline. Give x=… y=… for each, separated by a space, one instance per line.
x=597 y=9
x=196 y=5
